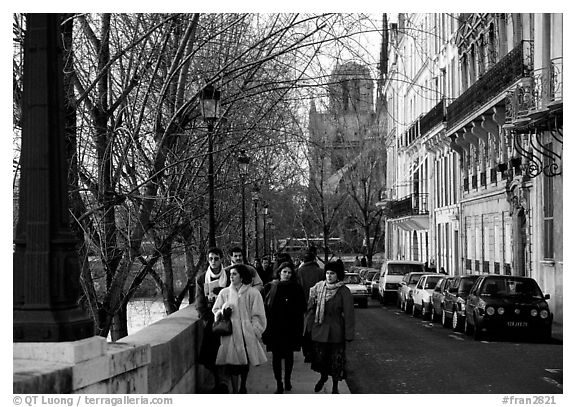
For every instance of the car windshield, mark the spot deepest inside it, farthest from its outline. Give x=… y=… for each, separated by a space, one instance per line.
x=370 y=275
x=511 y=286
x=352 y=279
x=401 y=269
x=465 y=285
x=431 y=282
x=414 y=279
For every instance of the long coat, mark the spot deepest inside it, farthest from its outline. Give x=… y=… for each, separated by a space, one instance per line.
x=248 y=323
x=308 y=275
x=338 y=324
x=285 y=307
x=210 y=341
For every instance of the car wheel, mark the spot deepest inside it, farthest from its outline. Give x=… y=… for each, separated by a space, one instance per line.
x=423 y=312
x=444 y=319
x=467 y=327
x=455 y=321
x=364 y=304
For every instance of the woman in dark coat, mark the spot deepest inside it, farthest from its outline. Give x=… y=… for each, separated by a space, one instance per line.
x=285 y=306
x=330 y=319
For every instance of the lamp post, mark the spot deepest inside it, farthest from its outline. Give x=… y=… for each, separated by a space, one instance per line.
x=265 y=213
x=46 y=270
x=273 y=232
x=210 y=107
x=243 y=162
x=255 y=198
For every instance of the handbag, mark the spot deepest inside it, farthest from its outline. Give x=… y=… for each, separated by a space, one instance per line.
x=222 y=326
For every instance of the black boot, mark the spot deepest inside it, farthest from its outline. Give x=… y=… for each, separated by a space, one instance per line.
x=288 y=366
x=279 y=387
x=318 y=387
x=335 y=387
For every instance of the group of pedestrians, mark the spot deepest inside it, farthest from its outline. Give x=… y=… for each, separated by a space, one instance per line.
x=285 y=309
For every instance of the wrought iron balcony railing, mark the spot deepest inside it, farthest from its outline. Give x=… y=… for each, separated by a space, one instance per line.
x=433 y=118
x=543 y=89
x=413 y=204
x=505 y=73
x=412 y=133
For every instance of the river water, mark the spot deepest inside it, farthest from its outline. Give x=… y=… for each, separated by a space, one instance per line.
x=143 y=312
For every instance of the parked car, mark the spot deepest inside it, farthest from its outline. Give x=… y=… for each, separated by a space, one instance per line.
x=511 y=304
x=357 y=288
x=391 y=275
x=455 y=301
x=422 y=295
x=368 y=276
x=438 y=297
x=404 y=292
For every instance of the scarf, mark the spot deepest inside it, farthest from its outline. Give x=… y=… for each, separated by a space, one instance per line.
x=212 y=281
x=322 y=292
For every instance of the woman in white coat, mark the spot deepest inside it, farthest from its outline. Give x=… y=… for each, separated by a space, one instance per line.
x=245 y=306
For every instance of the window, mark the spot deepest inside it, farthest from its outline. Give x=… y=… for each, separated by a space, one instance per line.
x=548 y=203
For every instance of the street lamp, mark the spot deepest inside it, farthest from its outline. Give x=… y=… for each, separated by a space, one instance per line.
x=243 y=162
x=255 y=198
x=210 y=107
x=273 y=232
x=265 y=213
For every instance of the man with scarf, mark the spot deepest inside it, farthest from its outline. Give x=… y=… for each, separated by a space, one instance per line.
x=330 y=320
x=208 y=285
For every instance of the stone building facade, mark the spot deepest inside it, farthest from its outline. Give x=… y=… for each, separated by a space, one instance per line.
x=478 y=137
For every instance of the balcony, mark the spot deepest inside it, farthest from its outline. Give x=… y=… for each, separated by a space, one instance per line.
x=534 y=97
x=410 y=213
x=433 y=118
x=412 y=133
x=413 y=204
x=515 y=65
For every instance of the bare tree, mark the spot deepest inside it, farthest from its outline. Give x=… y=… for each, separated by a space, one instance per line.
x=137 y=144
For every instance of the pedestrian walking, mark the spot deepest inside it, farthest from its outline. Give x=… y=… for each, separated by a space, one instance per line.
x=308 y=275
x=357 y=261
x=268 y=272
x=280 y=257
x=285 y=306
x=245 y=307
x=208 y=286
x=330 y=319
x=237 y=257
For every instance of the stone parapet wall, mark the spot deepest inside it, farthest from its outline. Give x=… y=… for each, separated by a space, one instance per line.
x=160 y=358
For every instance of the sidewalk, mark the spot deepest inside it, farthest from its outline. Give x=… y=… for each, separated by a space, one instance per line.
x=261 y=379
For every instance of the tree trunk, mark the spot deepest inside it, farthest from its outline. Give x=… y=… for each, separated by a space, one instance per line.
x=168 y=286
x=190 y=272
x=120 y=324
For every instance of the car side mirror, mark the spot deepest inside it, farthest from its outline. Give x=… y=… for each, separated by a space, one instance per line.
x=546 y=296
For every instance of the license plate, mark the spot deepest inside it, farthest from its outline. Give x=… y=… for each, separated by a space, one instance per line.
x=517 y=324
